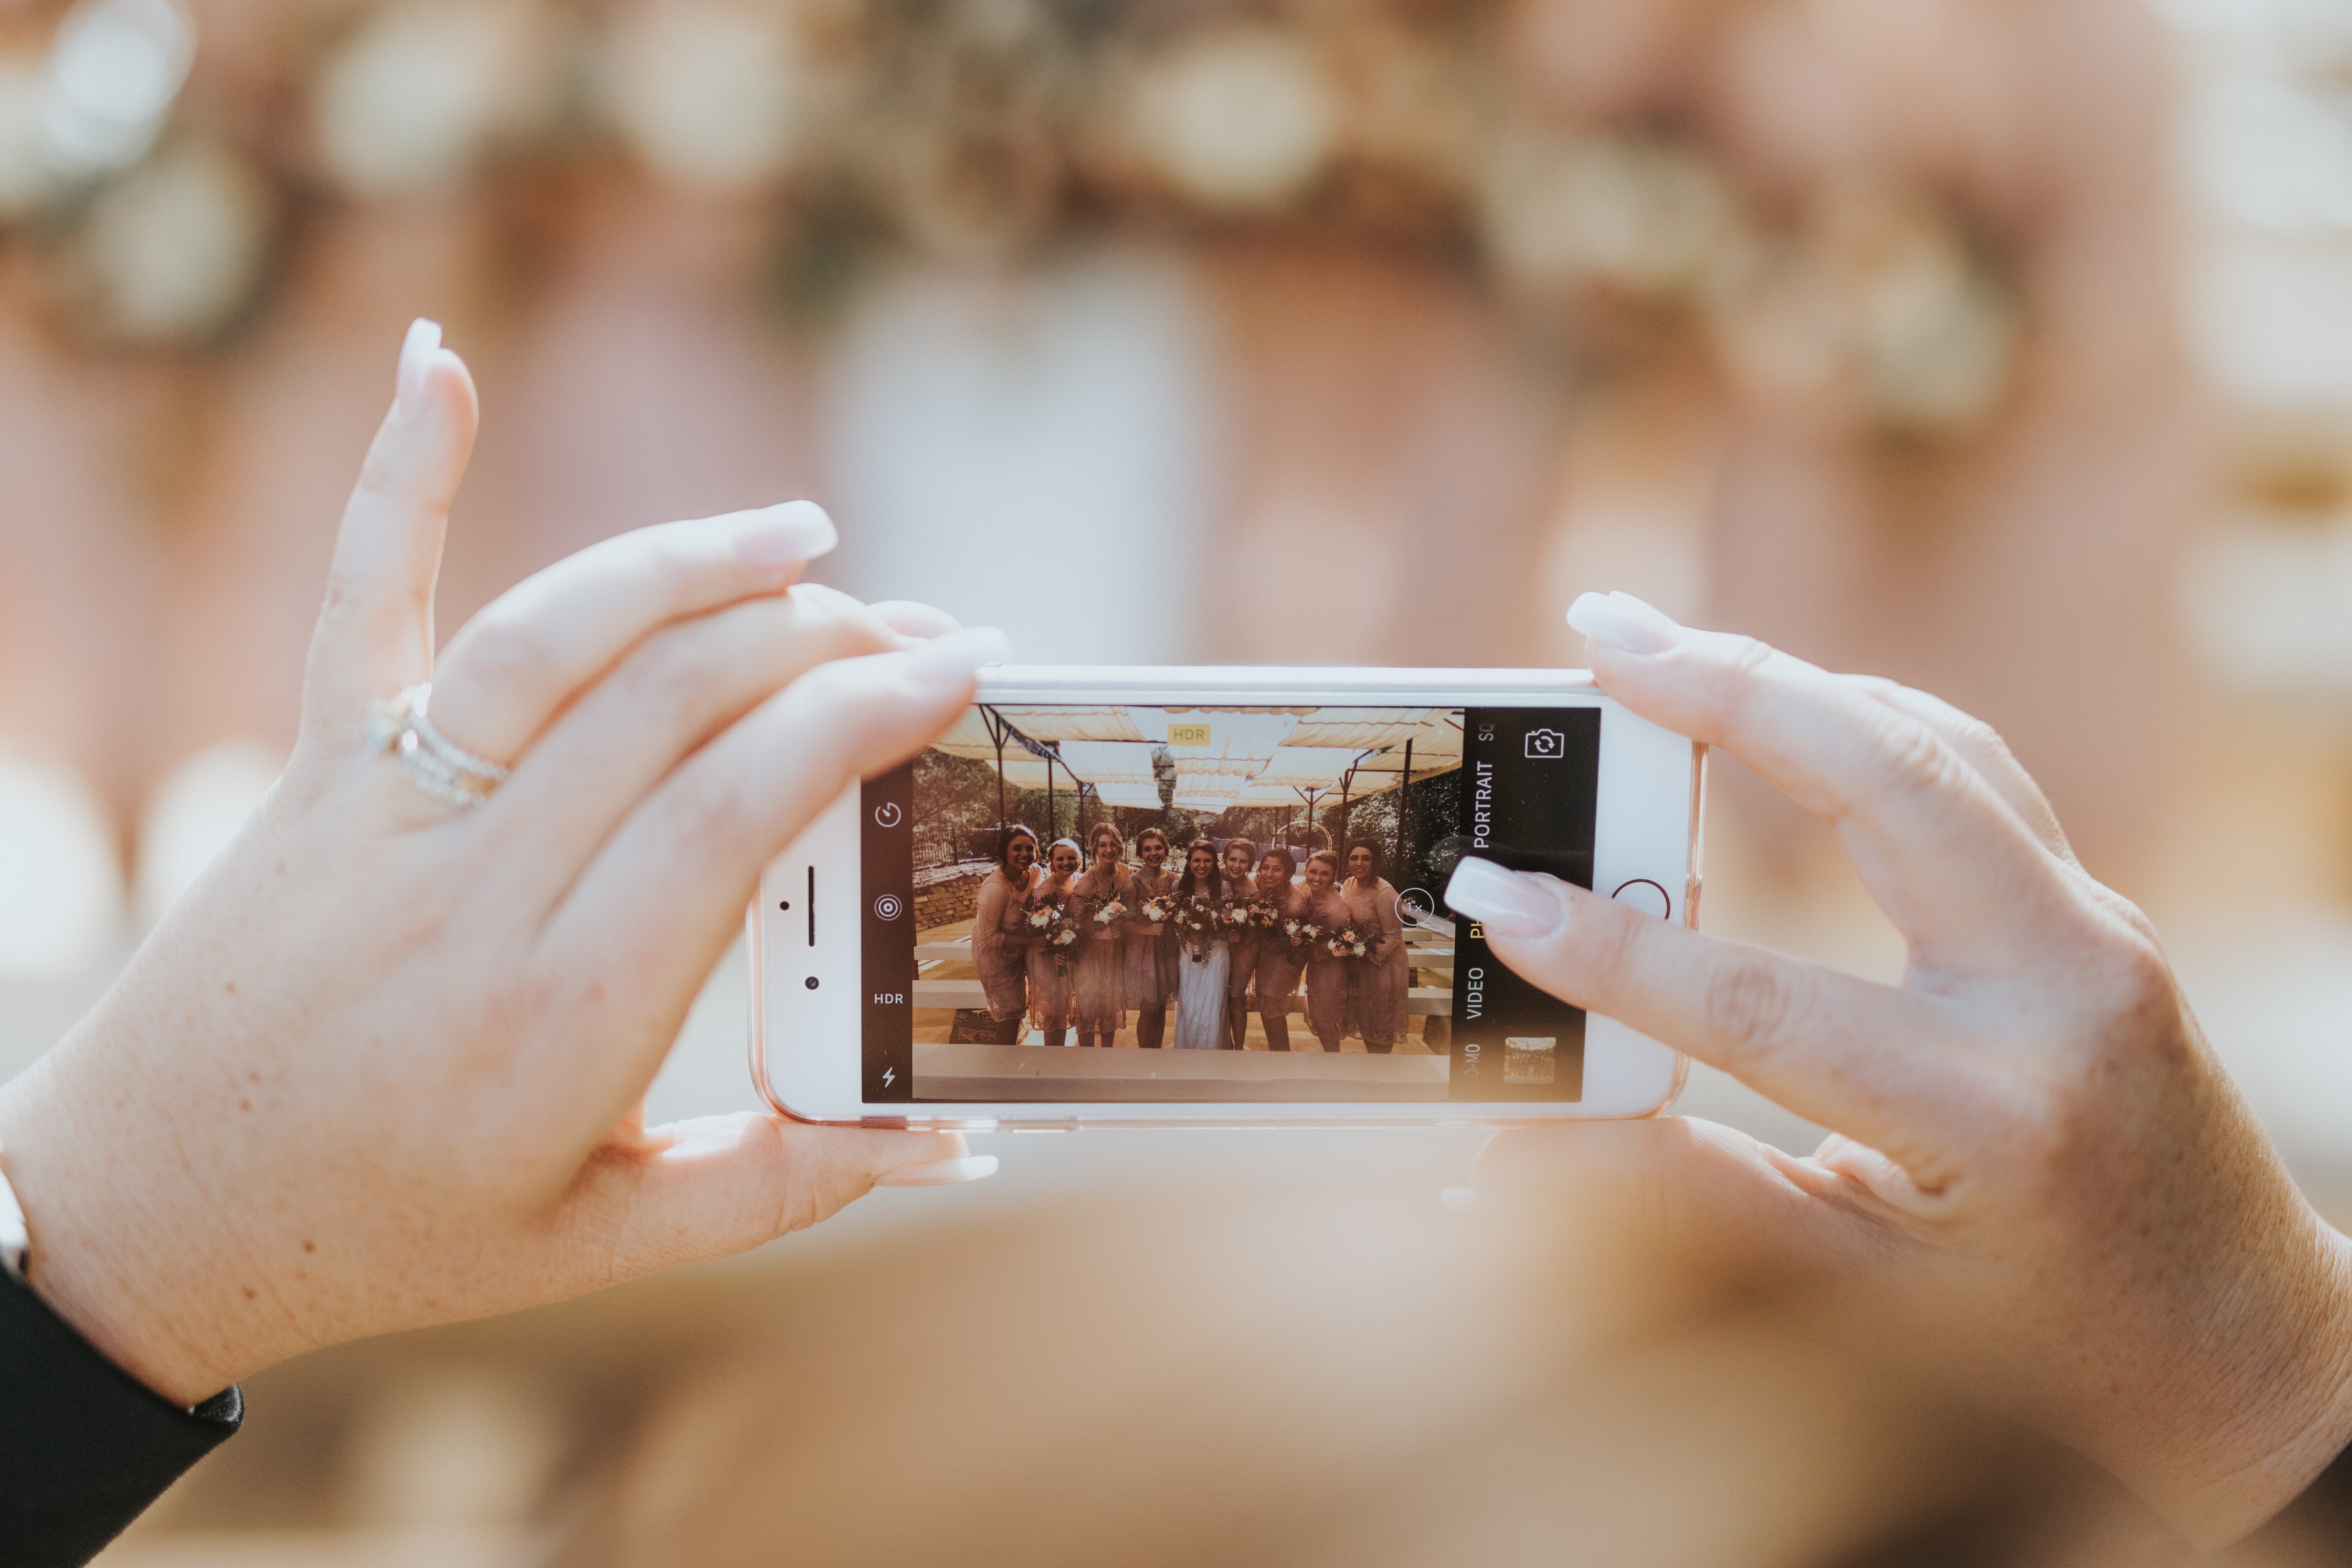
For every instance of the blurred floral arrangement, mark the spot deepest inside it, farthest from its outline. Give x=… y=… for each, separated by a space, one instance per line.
x=151 y=206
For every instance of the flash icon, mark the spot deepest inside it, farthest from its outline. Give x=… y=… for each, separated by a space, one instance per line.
x=890 y=1076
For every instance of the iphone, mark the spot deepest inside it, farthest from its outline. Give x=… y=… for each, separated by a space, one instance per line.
x=1215 y=896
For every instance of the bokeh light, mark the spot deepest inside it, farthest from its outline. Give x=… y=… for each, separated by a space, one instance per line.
x=61 y=902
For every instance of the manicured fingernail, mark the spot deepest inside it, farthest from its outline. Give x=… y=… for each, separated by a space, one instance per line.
x=782 y=535
x=417 y=352
x=1624 y=620
x=1457 y=1200
x=941 y=1173
x=1506 y=903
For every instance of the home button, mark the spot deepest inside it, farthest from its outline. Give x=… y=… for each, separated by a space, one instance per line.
x=1645 y=896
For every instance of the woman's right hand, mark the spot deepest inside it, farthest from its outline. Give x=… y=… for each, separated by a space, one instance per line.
x=384 y=1064
x=2039 y=1171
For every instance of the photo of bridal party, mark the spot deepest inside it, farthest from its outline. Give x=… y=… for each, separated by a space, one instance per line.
x=1170 y=880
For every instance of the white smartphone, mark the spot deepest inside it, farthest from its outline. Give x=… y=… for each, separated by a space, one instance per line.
x=964 y=942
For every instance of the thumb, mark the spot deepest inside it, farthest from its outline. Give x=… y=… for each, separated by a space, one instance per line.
x=717 y=1185
x=374 y=635
x=1698 y=1190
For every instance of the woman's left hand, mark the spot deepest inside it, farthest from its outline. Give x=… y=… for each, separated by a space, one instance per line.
x=384 y=1065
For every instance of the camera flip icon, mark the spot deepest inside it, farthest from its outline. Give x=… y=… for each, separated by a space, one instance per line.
x=1547 y=744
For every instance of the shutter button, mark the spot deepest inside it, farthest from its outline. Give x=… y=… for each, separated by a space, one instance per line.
x=1645 y=896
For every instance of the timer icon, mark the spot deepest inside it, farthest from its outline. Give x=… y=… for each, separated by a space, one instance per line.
x=886 y=813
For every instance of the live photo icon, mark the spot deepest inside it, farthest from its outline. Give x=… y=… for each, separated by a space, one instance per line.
x=1547 y=743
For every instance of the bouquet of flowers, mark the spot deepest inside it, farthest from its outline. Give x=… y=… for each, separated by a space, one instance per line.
x=1264 y=914
x=1061 y=936
x=1302 y=933
x=1198 y=919
x=1106 y=914
x=1233 y=914
x=1348 y=942
x=1157 y=909
x=1053 y=924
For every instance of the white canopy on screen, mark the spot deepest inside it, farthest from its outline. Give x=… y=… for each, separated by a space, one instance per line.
x=1307 y=767
x=1023 y=771
x=1111 y=761
x=1253 y=756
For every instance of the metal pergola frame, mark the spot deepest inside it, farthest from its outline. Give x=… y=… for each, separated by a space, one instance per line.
x=1003 y=730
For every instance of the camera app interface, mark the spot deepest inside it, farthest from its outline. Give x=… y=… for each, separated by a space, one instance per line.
x=1203 y=904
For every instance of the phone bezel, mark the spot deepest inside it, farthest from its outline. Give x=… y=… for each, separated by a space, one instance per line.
x=1656 y=838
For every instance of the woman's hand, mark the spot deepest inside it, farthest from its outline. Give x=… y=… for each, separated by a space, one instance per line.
x=2039 y=1173
x=384 y=1064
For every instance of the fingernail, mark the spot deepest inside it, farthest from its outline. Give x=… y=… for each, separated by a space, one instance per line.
x=417 y=352
x=949 y=658
x=1457 y=1200
x=1624 y=622
x=941 y=1173
x=1507 y=903
x=782 y=535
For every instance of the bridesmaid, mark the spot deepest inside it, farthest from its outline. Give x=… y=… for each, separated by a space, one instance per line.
x=1275 y=976
x=1151 y=948
x=1099 y=1004
x=997 y=937
x=1383 y=980
x=1201 y=995
x=1241 y=855
x=1050 y=984
x=1327 y=977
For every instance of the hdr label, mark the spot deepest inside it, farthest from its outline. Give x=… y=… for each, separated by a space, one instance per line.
x=889 y=998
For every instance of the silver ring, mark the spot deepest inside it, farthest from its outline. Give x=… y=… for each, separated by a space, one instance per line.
x=433 y=763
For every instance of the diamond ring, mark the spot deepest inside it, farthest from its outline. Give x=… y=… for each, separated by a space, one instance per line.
x=433 y=762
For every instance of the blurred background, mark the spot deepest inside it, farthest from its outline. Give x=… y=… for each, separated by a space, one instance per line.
x=2001 y=347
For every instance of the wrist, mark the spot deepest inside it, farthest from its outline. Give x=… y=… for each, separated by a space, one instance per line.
x=2298 y=1410
x=97 y=1253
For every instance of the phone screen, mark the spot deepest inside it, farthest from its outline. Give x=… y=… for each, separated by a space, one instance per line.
x=1073 y=902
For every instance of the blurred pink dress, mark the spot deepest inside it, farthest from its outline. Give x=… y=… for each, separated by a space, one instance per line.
x=1327 y=977
x=1383 y=981
x=1150 y=959
x=1003 y=965
x=1051 y=983
x=1275 y=976
x=1241 y=947
x=1098 y=974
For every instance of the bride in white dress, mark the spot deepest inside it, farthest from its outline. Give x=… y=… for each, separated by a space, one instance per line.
x=1201 y=983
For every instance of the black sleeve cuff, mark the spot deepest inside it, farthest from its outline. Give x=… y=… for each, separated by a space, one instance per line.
x=84 y=1449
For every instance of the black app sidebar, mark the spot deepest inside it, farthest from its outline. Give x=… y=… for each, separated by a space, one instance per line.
x=1529 y=781
x=886 y=925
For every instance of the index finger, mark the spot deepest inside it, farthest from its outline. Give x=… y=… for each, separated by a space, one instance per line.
x=376 y=631
x=518 y=664
x=1876 y=1063
x=1956 y=869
